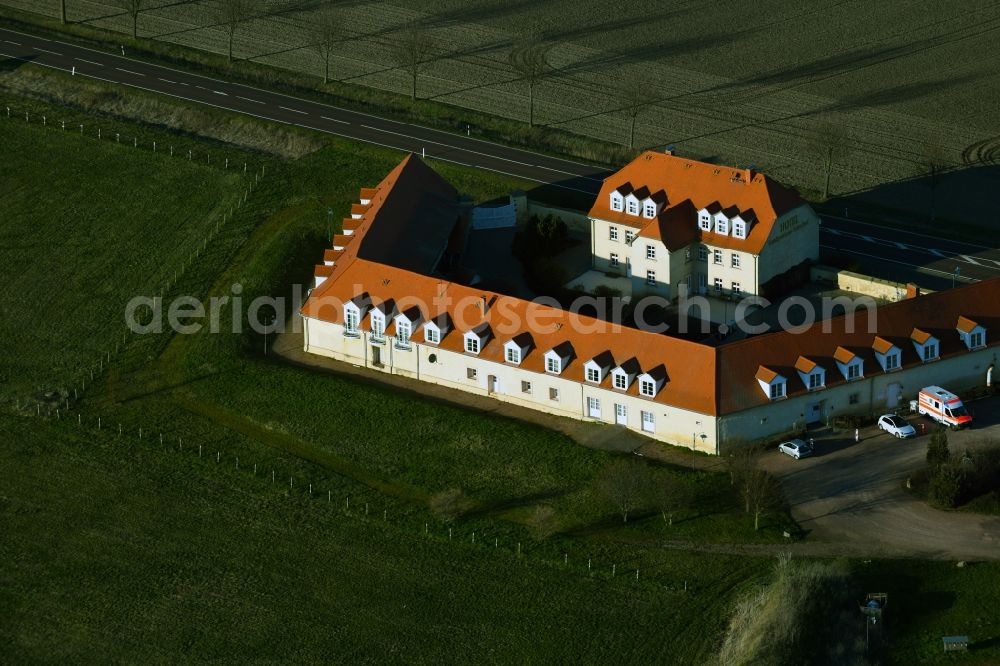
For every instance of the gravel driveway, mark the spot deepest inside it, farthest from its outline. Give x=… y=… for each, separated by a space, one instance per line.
x=852 y=495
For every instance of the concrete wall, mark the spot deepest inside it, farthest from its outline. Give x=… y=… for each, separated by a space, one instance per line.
x=860 y=284
x=450 y=369
x=956 y=373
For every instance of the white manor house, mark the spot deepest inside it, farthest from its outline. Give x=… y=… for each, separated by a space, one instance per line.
x=381 y=302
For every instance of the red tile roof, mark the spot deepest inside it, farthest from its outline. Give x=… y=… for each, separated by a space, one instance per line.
x=700 y=185
x=805 y=365
x=920 y=337
x=966 y=325
x=844 y=355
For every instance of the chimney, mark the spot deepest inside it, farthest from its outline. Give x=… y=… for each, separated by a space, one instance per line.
x=912 y=290
x=669 y=150
x=482 y=305
x=748 y=174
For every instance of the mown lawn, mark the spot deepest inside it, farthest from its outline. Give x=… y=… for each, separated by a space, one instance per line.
x=86 y=224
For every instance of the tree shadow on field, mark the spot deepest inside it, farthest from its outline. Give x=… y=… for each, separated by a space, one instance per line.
x=486 y=509
x=11 y=64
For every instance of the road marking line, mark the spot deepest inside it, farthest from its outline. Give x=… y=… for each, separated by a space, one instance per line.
x=38 y=48
x=247 y=99
x=937 y=252
x=835 y=232
x=129 y=71
x=167 y=80
x=970 y=259
x=919 y=269
x=902 y=246
x=14 y=43
x=293 y=110
x=868 y=238
x=335 y=120
x=90 y=62
x=220 y=93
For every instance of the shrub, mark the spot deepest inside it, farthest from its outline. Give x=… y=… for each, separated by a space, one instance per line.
x=947 y=486
x=937 y=448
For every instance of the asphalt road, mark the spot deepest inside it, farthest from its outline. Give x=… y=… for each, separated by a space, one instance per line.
x=903 y=256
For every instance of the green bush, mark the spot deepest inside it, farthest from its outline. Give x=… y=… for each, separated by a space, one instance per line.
x=947 y=486
x=937 y=448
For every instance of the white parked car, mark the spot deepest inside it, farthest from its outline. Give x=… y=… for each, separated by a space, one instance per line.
x=896 y=425
x=796 y=448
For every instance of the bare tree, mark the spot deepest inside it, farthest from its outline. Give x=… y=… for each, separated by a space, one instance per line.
x=411 y=51
x=670 y=496
x=449 y=505
x=328 y=32
x=636 y=94
x=829 y=145
x=131 y=8
x=544 y=522
x=625 y=484
x=761 y=493
x=530 y=59
x=232 y=13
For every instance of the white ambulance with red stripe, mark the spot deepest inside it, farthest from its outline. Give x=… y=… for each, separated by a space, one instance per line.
x=943 y=406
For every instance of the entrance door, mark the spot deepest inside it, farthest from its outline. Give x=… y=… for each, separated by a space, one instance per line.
x=376 y=356
x=892 y=395
x=814 y=413
x=493 y=384
x=594 y=408
x=621 y=414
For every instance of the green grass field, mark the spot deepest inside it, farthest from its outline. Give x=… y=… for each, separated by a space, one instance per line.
x=283 y=514
x=76 y=243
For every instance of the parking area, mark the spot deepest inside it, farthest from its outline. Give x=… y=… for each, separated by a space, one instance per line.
x=852 y=495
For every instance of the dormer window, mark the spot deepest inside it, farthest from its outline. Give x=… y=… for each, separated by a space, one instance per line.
x=926 y=345
x=378 y=324
x=972 y=333
x=633 y=207
x=476 y=339
x=403 y=332
x=930 y=351
x=722 y=225
x=773 y=384
x=652 y=381
x=513 y=355
x=647 y=387
x=891 y=361
x=815 y=381
x=649 y=209
x=705 y=221
x=853 y=371
x=557 y=358
x=739 y=229
x=352 y=319
x=594 y=375
x=617 y=201
x=595 y=369
x=472 y=344
x=432 y=334
x=621 y=381
x=777 y=390
x=976 y=340
x=553 y=364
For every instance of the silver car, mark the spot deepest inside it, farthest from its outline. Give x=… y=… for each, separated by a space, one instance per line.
x=896 y=425
x=796 y=448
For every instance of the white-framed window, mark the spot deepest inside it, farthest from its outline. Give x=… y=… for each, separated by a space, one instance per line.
x=621 y=381
x=718 y=285
x=891 y=361
x=717 y=256
x=976 y=340
x=403 y=331
x=616 y=201
x=553 y=365
x=553 y=393
x=513 y=355
x=378 y=326
x=651 y=277
x=648 y=421
x=471 y=373
x=351 y=321
x=737 y=289
x=633 y=207
x=614 y=260
x=930 y=351
x=722 y=226
x=740 y=229
x=651 y=252
x=593 y=375
x=853 y=371
x=815 y=381
x=629 y=236
x=525 y=387
x=702 y=253
x=647 y=387
x=472 y=344
x=777 y=390
x=735 y=260
x=432 y=335
x=705 y=222
x=613 y=233
x=650 y=209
